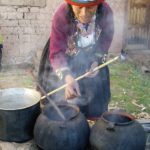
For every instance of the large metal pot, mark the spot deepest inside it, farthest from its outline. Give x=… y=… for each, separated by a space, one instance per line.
x=19 y=108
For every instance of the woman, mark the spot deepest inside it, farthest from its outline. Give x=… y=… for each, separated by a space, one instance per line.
x=81 y=33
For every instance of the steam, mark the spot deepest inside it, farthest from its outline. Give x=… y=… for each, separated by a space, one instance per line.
x=80 y=62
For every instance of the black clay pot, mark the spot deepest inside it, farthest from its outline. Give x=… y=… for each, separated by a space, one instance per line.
x=19 y=108
x=52 y=133
x=117 y=131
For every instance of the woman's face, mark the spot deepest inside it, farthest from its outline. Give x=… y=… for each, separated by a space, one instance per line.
x=84 y=14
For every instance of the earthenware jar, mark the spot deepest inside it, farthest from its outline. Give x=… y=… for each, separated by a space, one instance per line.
x=53 y=133
x=117 y=130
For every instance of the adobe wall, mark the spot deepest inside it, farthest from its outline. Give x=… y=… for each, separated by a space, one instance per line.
x=25 y=26
x=119 y=10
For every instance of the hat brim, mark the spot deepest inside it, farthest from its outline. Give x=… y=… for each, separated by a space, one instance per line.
x=98 y=2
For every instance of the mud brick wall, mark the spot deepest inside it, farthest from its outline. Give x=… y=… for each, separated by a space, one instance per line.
x=120 y=11
x=25 y=25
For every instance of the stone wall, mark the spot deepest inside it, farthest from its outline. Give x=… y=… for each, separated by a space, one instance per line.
x=25 y=25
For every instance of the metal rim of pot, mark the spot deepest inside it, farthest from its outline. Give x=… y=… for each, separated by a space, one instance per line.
x=33 y=93
x=124 y=114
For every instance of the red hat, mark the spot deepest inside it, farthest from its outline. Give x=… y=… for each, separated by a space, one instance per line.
x=84 y=3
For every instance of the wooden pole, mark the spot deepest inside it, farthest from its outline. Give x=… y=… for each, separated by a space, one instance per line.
x=83 y=76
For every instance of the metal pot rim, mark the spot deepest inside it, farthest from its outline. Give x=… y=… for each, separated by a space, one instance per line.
x=32 y=92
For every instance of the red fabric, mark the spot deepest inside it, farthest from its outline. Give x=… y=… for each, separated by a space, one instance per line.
x=61 y=29
x=85 y=4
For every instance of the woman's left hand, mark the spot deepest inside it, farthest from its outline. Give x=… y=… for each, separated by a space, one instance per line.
x=92 y=74
x=72 y=90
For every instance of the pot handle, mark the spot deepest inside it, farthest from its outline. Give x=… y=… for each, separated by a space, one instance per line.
x=111 y=126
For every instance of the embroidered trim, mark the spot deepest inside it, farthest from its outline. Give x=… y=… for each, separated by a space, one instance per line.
x=72 y=46
x=60 y=72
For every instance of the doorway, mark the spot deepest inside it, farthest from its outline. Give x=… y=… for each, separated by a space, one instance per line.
x=137 y=35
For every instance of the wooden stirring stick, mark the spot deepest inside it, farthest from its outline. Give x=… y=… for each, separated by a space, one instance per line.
x=52 y=103
x=82 y=76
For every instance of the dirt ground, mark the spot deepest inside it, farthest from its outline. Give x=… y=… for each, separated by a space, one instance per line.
x=16 y=77
x=30 y=145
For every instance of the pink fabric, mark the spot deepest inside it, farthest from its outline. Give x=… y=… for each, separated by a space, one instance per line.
x=60 y=31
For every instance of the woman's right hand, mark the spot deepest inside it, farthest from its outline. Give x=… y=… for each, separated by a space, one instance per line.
x=72 y=90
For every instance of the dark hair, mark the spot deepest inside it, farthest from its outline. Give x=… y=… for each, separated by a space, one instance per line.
x=99 y=16
x=71 y=20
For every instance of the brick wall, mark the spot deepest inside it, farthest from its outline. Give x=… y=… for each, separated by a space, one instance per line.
x=25 y=26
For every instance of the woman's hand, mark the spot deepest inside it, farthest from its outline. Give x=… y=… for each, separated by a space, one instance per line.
x=72 y=90
x=92 y=74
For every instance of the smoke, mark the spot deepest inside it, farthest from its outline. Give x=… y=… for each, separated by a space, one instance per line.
x=94 y=91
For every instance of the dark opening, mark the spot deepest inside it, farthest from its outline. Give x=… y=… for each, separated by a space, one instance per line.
x=117 y=118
